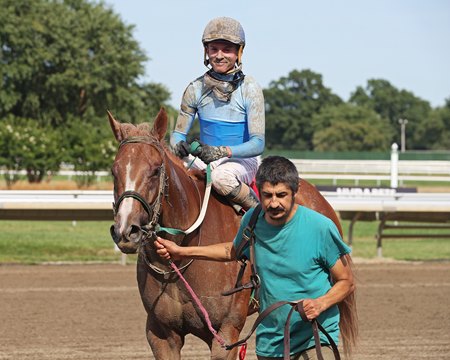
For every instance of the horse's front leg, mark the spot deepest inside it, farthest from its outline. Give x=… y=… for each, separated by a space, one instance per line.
x=165 y=343
x=231 y=335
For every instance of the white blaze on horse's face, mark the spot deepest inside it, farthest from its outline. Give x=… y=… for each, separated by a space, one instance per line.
x=126 y=205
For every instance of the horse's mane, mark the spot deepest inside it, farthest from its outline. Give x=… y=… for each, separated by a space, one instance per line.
x=129 y=130
x=145 y=129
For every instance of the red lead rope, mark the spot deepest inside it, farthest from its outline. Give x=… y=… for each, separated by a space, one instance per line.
x=243 y=351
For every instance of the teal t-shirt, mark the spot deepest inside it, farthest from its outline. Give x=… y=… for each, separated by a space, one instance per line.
x=293 y=262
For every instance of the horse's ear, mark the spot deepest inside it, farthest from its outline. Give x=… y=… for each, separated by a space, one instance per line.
x=160 y=124
x=115 y=127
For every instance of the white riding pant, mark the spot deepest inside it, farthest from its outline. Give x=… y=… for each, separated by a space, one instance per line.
x=228 y=173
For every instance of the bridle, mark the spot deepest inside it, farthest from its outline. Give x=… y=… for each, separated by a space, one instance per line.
x=154 y=209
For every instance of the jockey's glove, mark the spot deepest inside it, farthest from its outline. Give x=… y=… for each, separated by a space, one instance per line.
x=208 y=153
x=181 y=149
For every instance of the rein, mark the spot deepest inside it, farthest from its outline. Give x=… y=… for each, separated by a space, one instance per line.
x=297 y=306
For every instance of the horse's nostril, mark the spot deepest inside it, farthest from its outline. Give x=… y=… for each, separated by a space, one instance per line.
x=135 y=233
x=112 y=231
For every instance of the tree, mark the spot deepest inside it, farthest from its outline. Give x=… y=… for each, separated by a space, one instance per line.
x=393 y=104
x=348 y=127
x=290 y=104
x=90 y=148
x=25 y=146
x=68 y=61
x=434 y=132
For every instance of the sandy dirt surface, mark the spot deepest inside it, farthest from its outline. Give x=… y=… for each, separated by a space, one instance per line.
x=94 y=312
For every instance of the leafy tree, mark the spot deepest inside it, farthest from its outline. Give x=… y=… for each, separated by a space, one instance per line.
x=348 y=127
x=434 y=132
x=290 y=104
x=393 y=104
x=65 y=61
x=90 y=148
x=25 y=146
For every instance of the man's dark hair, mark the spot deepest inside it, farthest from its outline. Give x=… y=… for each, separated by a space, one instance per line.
x=275 y=170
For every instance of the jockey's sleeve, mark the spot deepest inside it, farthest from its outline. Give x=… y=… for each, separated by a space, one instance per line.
x=253 y=147
x=185 y=117
x=255 y=113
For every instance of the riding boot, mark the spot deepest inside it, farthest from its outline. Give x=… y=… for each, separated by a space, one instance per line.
x=242 y=197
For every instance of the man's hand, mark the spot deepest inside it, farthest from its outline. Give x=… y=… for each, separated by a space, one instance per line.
x=181 y=149
x=313 y=308
x=167 y=249
x=209 y=153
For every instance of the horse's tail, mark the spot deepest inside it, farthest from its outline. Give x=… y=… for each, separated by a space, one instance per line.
x=348 y=323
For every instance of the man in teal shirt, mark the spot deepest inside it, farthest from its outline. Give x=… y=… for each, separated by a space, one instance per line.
x=299 y=255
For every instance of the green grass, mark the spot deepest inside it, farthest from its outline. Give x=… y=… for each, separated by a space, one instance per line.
x=365 y=244
x=27 y=242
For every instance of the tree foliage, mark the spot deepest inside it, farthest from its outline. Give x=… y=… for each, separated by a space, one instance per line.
x=90 y=148
x=434 y=131
x=65 y=62
x=394 y=104
x=348 y=127
x=290 y=104
x=25 y=146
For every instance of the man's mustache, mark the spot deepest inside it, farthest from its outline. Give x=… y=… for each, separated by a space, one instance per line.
x=277 y=209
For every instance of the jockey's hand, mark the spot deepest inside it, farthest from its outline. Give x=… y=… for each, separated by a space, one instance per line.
x=313 y=308
x=208 y=153
x=181 y=149
x=167 y=249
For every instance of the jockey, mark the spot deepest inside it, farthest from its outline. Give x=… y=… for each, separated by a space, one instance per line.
x=230 y=109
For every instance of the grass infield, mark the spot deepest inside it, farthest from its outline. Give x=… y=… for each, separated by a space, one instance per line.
x=35 y=242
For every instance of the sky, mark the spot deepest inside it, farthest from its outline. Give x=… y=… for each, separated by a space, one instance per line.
x=406 y=42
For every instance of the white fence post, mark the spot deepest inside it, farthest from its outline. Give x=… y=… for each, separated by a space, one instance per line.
x=394 y=166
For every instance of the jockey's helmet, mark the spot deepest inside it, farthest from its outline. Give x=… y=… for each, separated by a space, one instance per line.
x=224 y=28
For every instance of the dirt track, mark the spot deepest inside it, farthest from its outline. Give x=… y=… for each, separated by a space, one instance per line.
x=94 y=312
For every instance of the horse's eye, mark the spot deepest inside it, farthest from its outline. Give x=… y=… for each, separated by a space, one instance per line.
x=157 y=171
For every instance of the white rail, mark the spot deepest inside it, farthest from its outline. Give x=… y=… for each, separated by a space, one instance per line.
x=66 y=203
x=405 y=167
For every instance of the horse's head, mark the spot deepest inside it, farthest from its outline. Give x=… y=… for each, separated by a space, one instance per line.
x=139 y=180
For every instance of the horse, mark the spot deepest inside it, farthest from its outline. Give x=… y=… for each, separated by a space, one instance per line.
x=152 y=187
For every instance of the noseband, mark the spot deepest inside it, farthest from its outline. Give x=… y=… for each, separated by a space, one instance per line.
x=153 y=210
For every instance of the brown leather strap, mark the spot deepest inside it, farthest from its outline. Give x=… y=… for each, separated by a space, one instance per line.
x=247 y=233
x=316 y=326
x=248 y=239
x=258 y=320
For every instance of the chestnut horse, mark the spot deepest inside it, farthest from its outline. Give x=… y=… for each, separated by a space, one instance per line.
x=152 y=188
